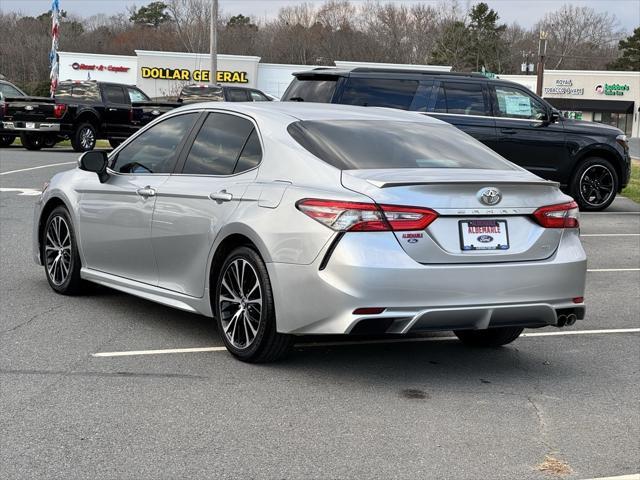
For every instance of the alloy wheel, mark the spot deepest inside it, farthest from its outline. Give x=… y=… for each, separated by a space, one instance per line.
x=596 y=185
x=240 y=302
x=87 y=138
x=57 y=250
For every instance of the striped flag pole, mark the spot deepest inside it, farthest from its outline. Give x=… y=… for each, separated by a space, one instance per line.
x=53 y=54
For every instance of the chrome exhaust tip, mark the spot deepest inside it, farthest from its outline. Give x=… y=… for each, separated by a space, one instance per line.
x=571 y=319
x=562 y=320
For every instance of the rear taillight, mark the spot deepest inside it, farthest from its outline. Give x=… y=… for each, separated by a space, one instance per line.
x=131 y=115
x=564 y=215
x=366 y=217
x=59 y=110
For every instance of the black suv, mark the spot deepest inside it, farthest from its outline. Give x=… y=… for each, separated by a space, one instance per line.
x=590 y=160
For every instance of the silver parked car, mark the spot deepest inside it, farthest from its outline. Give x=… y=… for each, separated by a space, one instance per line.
x=285 y=219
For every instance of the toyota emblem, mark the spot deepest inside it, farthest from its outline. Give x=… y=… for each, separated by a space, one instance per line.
x=490 y=196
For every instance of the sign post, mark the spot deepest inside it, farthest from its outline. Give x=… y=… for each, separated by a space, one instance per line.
x=213 y=42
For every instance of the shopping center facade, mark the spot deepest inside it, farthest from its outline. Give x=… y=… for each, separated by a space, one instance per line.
x=610 y=97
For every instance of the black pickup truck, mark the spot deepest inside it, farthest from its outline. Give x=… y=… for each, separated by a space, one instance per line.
x=7 y=89
x=82 y=111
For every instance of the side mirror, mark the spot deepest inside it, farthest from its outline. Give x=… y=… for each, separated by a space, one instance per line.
x=554 y=116
x=95 y=161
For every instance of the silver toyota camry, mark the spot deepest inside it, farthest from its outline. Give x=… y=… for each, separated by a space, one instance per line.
x=290 y=219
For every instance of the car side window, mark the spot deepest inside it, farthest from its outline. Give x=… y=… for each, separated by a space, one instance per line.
x=237 y=95
x=114 y=94
x=461 y=98
x=136 y=95
x=514 y=103
x=380 y=92
x=258 y=97
x=251 y=154
x=217 y=147
x=9 y=91
x=155 y=150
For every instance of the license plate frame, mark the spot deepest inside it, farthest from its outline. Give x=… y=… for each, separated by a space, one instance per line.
x=491 y=244
x=30 y=125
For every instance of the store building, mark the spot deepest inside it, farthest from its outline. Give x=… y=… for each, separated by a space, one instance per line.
x=599 y=96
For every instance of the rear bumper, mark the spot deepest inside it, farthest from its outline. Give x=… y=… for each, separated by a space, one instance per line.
x=39 y=127
x=372 y=270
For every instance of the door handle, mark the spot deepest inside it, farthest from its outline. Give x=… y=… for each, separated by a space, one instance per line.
x=146 y=192
x=113 y=109
x=221 y=196
x=509 y=131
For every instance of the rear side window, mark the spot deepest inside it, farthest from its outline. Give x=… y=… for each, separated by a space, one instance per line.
x=251 y=154
x=114 y=94
x=154 y=151
x=314 y=89
x=461 y=98
x=218 y=145
x=365 y=144
x=237 y=95
x=380 y=92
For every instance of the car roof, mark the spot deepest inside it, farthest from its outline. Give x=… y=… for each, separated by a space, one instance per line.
x=289 y=111
x=342 y=72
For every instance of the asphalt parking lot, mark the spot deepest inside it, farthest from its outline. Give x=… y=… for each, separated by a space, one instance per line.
x=422 y=408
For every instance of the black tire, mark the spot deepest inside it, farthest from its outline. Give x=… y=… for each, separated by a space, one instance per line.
x=32 y=141
x=6 y=140
x=492 y=337
x=50 y=142
x=267 y=345
x=594 y=184
x=84 y=137
x=69 y=283
x=115 y=142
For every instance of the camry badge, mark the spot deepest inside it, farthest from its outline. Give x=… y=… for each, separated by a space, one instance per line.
x=490 y=196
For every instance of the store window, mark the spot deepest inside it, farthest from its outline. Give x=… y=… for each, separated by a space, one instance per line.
x=623 y=121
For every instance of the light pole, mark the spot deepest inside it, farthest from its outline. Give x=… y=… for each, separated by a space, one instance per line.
x=213 y=42
x=542 y=51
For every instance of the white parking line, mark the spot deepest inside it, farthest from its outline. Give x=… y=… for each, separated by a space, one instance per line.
x=633 y=476
x=23 y=191
x=364 y=342
x=36 y=168
x=596 y=270
x=610 y=234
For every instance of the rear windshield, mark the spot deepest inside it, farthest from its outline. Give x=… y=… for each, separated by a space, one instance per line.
x=315 y=89
x=358 y=144
x=81 y=91
x=204 y=93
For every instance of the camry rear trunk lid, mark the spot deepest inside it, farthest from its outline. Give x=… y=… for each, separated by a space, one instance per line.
x=467 y=230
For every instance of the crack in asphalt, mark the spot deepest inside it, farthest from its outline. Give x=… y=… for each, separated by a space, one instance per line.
x=30 y=319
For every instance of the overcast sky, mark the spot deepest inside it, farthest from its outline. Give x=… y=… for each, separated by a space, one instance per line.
x=524 y=12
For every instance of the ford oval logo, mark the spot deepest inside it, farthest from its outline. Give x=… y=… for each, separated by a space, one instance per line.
x=29 y=107
x=490 y=196
x=485 y=238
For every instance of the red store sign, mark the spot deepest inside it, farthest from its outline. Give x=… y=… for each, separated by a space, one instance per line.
x=100 y=68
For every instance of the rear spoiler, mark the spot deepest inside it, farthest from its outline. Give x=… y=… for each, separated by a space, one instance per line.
x=407 y=183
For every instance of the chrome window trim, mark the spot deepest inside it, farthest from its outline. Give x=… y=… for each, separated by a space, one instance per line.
x=529 y=120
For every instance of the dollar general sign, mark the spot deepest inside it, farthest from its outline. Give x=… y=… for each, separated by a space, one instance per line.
x=184 y=74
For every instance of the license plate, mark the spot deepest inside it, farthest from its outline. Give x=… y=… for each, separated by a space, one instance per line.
x=30 y=125
x=484 y=235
